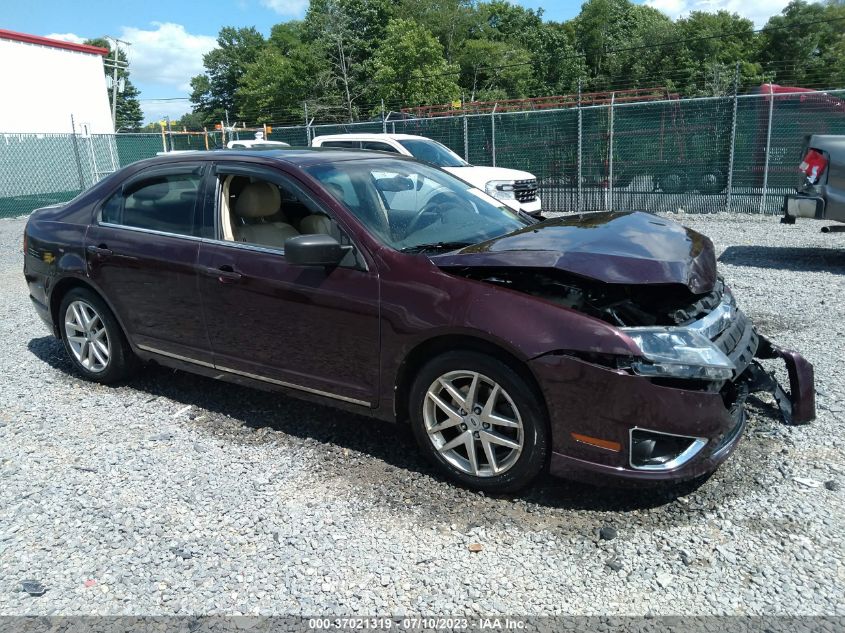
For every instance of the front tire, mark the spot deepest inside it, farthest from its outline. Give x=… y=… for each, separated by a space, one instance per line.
x=93 y=338
x=479 y=421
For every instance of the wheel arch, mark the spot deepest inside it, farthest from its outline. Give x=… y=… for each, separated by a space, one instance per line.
x=433 y=347
x=64 y=286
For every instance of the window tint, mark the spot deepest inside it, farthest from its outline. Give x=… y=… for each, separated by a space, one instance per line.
x=165 y=203
x=346 y=144
x=433 y=152
x=378 y=146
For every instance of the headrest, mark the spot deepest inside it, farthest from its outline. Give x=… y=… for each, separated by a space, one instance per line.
x=258 y=200
x=315 y=223
x=156 y=191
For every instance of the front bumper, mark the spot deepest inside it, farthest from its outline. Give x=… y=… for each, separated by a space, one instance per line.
x=586 y=399
x=800 y=205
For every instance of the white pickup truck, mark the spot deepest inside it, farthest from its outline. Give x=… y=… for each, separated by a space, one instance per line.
x=516 y=189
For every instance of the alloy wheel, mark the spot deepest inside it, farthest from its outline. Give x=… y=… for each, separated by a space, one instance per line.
x=473 y=423
x=87 y=336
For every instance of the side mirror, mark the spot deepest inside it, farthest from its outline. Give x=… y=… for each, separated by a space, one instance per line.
x=395 y=184
x=315 y=250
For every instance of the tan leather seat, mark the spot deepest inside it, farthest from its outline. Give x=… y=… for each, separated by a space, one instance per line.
x=257 y=201
x=315 y=223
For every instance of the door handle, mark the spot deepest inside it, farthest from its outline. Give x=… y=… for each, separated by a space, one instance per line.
x=100 y=252
x=225 y=274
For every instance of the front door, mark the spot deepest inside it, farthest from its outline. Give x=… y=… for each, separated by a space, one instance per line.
x=142 y=253
x=310 y=328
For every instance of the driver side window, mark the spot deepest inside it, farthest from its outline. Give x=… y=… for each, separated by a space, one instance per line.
x=268 y=211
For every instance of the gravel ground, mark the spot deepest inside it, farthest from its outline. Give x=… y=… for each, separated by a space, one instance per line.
x=178 y=494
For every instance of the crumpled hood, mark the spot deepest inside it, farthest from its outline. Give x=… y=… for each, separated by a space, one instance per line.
x=624 y=248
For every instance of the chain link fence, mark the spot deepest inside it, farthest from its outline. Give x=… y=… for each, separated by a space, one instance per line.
x=738 y=153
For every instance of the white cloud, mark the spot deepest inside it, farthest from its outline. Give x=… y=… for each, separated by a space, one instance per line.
x=66 y=37
x=166 y=55
x=286 y=7
x=758 y=11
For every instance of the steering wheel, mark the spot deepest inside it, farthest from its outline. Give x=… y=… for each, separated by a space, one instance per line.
x=434 y=209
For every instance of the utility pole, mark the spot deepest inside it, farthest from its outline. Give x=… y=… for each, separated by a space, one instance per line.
x=169 y=132
x=116 y=63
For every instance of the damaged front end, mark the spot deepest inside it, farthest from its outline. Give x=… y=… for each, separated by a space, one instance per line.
x=702 y=342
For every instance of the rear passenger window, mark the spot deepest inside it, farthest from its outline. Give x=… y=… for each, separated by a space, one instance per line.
x=167 y=203
x=343 y=144
x=378 y=146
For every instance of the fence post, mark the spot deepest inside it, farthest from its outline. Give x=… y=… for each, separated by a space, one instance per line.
x=466 y=139
x=768 y=147
x=307 y=126
x=610 y=154
x=76 y=153
x=383 y=120
x=169 y=133
x=493 y=131
x=578 y=165
x=729 y=189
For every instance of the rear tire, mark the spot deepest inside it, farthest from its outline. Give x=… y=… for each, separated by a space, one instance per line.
x=479 y=422
x=712 y=182
x=673 y=182
x=93 y=338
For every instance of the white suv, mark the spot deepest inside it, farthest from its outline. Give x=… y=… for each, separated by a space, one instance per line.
x=516 y=189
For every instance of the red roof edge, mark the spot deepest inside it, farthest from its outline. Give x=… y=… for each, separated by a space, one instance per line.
x=46 y=41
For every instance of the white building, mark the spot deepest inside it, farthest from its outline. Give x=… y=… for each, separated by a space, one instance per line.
x=47 y=81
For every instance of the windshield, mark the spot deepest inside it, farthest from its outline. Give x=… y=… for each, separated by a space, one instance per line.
x=433 y=152
x=413 y=207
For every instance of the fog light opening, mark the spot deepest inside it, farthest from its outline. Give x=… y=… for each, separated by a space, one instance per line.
x=652 y=450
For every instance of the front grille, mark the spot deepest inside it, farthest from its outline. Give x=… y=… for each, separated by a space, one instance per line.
x=738 y=341
x=525 y=190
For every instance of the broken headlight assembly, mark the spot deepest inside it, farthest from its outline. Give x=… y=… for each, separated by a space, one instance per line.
x=678 y=352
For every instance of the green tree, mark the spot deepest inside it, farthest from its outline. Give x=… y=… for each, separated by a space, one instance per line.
x=711 y=45
x=452 y=22
x=191 y=121
x=512 y=22
x=803 y=46
x=492 y=69
x=617 y=37
x=346 y=33
x=557 y=66
x=281 y=79
x=214 y=93
x=409 y=66
x=128 y=112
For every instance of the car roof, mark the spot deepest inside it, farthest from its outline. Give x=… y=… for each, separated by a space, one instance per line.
x=296 y=156
x=370 y=137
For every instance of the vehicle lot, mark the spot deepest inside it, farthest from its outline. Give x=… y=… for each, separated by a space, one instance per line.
x=177 y=494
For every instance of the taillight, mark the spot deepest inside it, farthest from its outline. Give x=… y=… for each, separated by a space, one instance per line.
x=813 y=165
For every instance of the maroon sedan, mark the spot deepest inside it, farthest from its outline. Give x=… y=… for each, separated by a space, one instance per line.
x=601 y=345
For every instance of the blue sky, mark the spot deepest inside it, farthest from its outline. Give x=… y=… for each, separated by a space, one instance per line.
x=169 y=38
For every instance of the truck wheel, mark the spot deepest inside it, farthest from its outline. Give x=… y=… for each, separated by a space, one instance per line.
x=673 y=182
x=714 y=181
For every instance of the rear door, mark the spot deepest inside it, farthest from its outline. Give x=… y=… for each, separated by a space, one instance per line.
x=142 y=253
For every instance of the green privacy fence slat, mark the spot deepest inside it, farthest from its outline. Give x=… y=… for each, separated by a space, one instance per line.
x=666 y=155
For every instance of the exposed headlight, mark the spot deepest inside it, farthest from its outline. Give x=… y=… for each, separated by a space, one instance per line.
x=500 y=189
x=679 y=353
